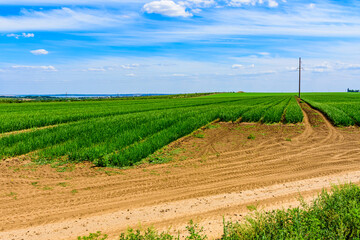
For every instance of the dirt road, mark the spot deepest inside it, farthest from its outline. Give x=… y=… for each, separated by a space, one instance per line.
x=234 y=165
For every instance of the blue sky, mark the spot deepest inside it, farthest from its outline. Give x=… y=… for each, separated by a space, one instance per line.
x=170 y=46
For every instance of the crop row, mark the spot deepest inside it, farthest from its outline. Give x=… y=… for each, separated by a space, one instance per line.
x=343 y=109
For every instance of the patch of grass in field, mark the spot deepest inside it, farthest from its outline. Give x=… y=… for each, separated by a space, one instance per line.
x=63 y=184
x=199 y=135
x=251 y=137
x=74 y=191
x=162 y=156
x=12 y=195
x=47 y=188
x=194 y=233
x=26 y=167
x=63 y=166
x=212 y=126
x=94 y=236
x=35 y=184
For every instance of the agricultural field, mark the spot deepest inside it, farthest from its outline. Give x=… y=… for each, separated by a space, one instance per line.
x=343 y=109
x=122 y=133
x=225 y=158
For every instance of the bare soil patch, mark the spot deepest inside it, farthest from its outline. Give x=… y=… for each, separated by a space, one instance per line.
x=215 y=172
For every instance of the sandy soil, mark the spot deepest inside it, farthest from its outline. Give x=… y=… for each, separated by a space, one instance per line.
x=216 y=172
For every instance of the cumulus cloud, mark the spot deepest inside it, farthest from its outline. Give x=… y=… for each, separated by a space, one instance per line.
x=166 y=8
x=39 y=52
x=45 y=68
x=24 y=35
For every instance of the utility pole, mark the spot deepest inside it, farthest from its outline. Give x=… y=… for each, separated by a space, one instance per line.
x=300 y=77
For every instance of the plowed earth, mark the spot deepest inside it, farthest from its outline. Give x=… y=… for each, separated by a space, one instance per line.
x=216 y=172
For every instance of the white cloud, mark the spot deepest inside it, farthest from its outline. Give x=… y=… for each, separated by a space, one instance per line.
x=331 y=67
x=240 y=66
x=68 y=2
x=312 y=5
x=239 y=3
x=265 y=54
x=24 y=35
x=237 y=66
x=45 y=68
x=96 y=69
x=273 y=3
x=166 y=8
x=28 y=35
x=59 y=19
x=196 y=10
x=130 y=66
x=179 y=75
x=13 y=35
x=39 y=52
x=198 y=3
x=130 y=75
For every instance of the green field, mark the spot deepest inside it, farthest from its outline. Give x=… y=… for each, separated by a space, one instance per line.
x=123 y=132
x=343 y=109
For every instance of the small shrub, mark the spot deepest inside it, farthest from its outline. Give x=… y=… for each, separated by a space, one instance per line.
x=196 y=233
x=94 y=236
x=251 y=137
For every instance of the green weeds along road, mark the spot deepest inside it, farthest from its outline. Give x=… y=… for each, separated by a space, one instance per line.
x=334 y=215
x=121 y=133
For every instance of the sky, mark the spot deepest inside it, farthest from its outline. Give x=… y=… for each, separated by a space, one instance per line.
x=178 y=46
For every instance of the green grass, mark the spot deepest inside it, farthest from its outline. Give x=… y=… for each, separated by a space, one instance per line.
x=343 y=109
x=293 y=113
x=120 y=133
x=251 y=137
x=332 y=215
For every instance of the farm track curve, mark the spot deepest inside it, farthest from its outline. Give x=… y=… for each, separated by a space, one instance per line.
x=38 y=202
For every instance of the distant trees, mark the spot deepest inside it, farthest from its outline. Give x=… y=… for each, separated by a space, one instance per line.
x=352 y=90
